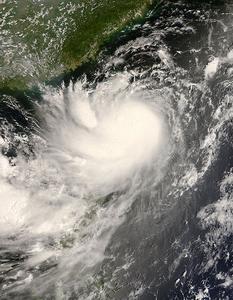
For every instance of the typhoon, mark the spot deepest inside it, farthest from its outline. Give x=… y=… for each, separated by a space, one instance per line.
x=117 y=183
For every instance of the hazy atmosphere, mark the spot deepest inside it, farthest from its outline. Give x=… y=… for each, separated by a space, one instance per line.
x=116 y=150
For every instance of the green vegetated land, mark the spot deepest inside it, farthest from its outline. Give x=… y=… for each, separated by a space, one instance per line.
x=41 y=39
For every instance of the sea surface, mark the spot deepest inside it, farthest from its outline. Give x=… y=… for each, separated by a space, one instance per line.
x=117 y=182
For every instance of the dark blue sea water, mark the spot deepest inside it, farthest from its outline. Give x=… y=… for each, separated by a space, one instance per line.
x=118 y=184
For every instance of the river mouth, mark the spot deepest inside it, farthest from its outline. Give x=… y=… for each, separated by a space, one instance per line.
x=122 y=187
